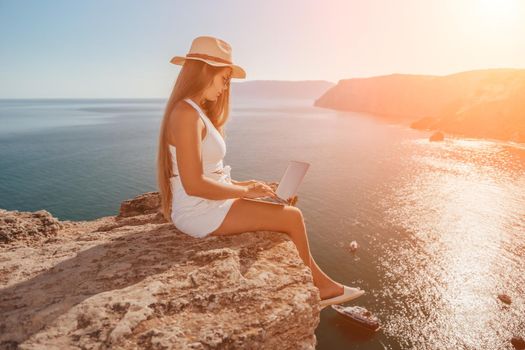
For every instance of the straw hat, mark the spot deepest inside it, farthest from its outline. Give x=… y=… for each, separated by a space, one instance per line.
x=213 y=51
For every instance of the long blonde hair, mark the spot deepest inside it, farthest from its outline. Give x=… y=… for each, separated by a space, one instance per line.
x=194 y=77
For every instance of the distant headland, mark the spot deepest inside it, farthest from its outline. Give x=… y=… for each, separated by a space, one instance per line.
x=479 y=104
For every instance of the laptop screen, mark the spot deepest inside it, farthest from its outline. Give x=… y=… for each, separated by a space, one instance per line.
x=292 y=178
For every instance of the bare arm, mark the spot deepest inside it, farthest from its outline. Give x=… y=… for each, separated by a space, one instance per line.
x=241 y=183
x=186 y=127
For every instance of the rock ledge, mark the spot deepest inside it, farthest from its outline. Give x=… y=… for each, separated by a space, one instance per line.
x=135 y=281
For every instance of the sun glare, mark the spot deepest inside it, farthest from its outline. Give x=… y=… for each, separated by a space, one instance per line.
x=496 y=12
x=492 y=24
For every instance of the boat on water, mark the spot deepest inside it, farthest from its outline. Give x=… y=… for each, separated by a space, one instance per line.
x=359 y=316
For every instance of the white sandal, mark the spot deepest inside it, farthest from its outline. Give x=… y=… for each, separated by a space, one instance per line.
x=349 y=293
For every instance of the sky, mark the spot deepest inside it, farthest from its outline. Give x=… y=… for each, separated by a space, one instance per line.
x=122 y=48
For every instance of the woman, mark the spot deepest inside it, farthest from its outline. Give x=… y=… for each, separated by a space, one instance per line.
x=196 y=190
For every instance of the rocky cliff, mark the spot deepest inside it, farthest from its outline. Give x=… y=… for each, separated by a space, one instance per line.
x=135 y=281
x=483 y=103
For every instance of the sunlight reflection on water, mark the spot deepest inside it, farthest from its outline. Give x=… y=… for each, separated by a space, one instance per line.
x=458 y=215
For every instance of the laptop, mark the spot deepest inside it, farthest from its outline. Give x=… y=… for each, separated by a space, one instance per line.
x=288 y=185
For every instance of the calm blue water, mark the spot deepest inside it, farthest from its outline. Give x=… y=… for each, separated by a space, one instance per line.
x=90 y=156
x=441 y=226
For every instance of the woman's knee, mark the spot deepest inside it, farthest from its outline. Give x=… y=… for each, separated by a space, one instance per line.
x=295 y=215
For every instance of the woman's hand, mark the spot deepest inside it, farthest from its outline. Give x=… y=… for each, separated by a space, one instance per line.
x=292 y=200
x=258 y=189
x=272 y=185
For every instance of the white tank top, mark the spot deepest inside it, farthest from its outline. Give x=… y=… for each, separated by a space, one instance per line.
x=213 y=147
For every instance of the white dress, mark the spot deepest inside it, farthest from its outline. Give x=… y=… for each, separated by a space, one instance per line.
x=197 y=216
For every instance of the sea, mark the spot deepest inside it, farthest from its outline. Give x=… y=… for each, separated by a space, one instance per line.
x=440 y=226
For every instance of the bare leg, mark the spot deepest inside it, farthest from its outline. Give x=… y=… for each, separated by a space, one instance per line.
x=327 y=286
x=245 y=216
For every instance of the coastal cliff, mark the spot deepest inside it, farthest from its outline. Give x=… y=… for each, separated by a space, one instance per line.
x=135 y=281
x=481 y=104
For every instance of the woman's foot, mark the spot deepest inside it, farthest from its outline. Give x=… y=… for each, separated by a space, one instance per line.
x=331 y=291
x=349 y=293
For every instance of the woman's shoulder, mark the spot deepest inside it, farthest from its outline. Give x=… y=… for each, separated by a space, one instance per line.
x=183 y=112
x=183 y=118
x=182 y=106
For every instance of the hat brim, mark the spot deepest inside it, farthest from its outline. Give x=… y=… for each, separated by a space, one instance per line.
x=237 y=71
